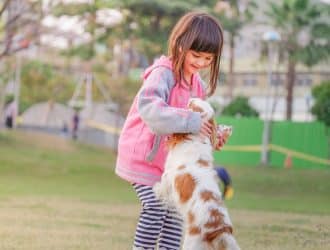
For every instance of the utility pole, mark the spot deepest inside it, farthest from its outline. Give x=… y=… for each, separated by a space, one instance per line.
x=271 y=38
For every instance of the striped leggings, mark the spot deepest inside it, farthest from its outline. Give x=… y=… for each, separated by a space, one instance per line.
x=156 y=224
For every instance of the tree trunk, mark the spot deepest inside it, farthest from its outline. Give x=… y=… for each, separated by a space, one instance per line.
x=155 y=24
x=291 y=77
x=327 y=132
x=2 y=98
x=231 y=80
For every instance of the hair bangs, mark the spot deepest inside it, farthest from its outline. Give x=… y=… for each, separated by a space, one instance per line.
x=206 y=38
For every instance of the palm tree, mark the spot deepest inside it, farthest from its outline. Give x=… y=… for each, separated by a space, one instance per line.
x=305 y=33
x=233 y=15
x=154 y=20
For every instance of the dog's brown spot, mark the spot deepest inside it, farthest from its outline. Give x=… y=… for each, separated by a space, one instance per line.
x=203 y=163
x=215 y=219
x=210 y=236
x=181 y=167
x=185 y=186
x=176 y=139
x=191 y=217
x=193 y=230
x=207 y=195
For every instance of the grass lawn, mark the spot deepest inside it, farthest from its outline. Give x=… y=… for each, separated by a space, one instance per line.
x=57 y=194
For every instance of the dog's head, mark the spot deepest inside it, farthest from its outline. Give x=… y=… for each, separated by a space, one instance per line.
x=201 y=106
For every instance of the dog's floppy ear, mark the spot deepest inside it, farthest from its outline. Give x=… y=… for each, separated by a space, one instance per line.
x=175 y=139
x=214 y=135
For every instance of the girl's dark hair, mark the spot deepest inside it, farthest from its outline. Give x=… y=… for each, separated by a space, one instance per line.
x=200 y=32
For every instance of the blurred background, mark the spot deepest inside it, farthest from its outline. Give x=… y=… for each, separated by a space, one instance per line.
x=71 y=68
x=58 y=57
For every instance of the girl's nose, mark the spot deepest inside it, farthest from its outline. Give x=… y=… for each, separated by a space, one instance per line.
x=200 y=62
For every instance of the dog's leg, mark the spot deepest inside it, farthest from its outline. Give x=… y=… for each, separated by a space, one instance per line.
x=162 y=188
x=225 y=241
x=193 y=242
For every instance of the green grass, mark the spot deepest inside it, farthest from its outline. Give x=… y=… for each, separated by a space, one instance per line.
x=32 y=164
x=58 y=194
x=288 y=190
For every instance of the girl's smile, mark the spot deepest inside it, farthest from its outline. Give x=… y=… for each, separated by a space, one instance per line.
x=195 y=61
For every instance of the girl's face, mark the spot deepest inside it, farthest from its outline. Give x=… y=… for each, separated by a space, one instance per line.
x=195 y=61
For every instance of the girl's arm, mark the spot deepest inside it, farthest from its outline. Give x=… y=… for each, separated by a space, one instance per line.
x=157 y=114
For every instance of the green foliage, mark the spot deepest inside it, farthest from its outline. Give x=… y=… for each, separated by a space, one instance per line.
x=155 y=19
x=84 y=10
x=40 y=82
x=294 y=17
x=240 y=107
x=321 y=107
x=84 y=51
x=234 y=21
x=152 y=21
x=73 y=9
x=123 y=91
x=9 y=98
x=304 y=33
x=6 y=72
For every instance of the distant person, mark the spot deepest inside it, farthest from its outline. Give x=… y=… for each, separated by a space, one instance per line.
x=65 y=129
x=75 y=124
x=160 y=109
x=10 y=114
x=225 y=178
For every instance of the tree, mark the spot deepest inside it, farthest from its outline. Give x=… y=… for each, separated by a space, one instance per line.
x=305 y=36
x=154 y=19
x=233 y=16
x=19 y=29
x=86 y=11
x=21 y=25
x=321 y=106
x=41 y=82
x=89 y=14
x=240 y=107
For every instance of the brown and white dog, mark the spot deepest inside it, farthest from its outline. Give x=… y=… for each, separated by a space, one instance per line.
x=190 y=184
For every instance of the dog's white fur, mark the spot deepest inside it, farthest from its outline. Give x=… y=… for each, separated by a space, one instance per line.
x=190 y=183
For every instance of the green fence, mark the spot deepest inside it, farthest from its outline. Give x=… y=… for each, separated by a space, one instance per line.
x=298 y=144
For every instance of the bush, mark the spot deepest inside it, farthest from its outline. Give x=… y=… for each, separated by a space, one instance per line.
x=321 y=107
x=240 y=107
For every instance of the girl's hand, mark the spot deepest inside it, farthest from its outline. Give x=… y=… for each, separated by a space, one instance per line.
x=223 y=133
x=206 y=127
x=221 y=141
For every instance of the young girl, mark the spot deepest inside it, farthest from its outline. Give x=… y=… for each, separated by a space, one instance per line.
x=159 y=109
